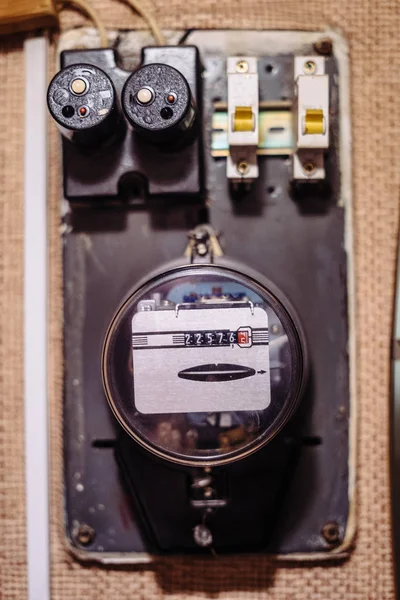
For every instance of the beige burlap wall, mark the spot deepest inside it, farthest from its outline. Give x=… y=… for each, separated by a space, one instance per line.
x=372 y=28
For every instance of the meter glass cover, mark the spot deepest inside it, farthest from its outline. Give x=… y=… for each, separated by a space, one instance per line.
x=202 y=365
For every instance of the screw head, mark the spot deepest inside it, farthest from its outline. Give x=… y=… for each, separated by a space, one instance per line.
x=201 y=249
x=324 y=46
x=309 y=67
x=208 y=492
x=85 y=535
x=202 y=536
x=242 y=66
x=202 y=482
x=331 y=533
x=309 y=167
x=242 y=167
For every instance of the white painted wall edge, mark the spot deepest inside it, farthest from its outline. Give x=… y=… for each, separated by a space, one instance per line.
x=35 y=319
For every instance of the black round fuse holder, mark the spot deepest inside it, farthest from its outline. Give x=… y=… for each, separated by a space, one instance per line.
x=158 y=104
x=82 y=100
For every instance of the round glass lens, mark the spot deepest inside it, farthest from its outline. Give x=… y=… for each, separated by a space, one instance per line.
x=203 y=365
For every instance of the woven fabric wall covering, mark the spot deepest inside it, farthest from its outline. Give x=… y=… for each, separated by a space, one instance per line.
x=371 y=28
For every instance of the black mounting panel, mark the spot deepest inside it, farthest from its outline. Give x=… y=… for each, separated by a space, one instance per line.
x=128 y=160
x=295 y=238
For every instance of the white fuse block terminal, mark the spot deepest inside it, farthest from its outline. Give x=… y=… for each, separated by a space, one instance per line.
x=311 y=117
x=243 y=102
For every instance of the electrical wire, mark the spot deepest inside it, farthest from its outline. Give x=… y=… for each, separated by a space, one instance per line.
x=150 y=20
x=136 y=5
x=85 y=7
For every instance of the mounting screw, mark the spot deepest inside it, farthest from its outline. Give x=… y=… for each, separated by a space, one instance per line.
x=202 y=536
x=309 y=167
x=331 y=534
x=201 y=249
x=242 y=167
x=203 y=481
x=309 y=67
x=324 y=46
x=208 y=492
x=85 y=535
x=200 y=238
x=242 y=66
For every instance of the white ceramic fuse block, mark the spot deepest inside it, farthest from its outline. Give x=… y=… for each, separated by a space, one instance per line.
x=311 y=117
x=243 y=93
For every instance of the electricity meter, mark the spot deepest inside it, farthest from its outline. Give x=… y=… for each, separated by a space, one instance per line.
x=204 y=364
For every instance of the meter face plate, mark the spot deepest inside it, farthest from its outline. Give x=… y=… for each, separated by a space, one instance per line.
x=201 y=359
